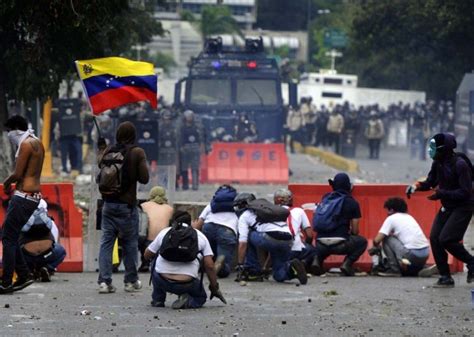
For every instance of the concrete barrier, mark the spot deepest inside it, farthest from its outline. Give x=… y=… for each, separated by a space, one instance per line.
x=329 y=158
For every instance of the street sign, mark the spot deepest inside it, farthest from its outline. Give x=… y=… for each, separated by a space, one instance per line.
x=335 y=38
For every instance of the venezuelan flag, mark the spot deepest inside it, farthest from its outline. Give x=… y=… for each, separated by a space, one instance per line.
x=114 y=81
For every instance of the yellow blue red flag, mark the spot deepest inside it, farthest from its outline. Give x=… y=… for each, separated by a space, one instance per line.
x=114 y=81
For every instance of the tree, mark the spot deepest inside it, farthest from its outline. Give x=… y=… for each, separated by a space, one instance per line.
x=414 y=45
x=40 y=39
x=214 y=20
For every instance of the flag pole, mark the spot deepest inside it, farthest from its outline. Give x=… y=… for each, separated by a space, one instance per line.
x=97 y=126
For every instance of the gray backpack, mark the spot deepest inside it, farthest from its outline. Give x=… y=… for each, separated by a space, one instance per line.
x=111 y=179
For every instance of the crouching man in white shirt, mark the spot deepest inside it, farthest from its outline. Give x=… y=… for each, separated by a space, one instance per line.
x=403 y=242
x=182 y=278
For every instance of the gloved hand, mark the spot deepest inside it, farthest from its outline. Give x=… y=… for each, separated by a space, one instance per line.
x=215 y=292
x=410 y=190
x=434 y=196
x=373 y=250
x=101 y=143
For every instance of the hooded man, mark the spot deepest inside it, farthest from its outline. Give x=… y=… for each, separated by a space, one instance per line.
x=119 y=214
x=342 y=236
x=158 y=213
x=450 y=179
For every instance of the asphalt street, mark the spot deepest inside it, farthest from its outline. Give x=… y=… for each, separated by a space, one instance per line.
x=326 y=306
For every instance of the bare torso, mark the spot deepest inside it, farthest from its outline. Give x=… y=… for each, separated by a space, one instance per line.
x=38 y=247
x=158 y=217
x=32 y=164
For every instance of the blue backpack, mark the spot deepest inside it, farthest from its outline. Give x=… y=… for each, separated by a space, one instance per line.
x=327 y=214
x=223 y=199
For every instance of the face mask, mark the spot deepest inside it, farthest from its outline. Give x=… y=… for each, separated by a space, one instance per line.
x=14 y=136
x=432 y=149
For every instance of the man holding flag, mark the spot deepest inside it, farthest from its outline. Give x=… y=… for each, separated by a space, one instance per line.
x=109 y=83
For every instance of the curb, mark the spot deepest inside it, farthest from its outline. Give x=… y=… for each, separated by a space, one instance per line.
x=330 y=159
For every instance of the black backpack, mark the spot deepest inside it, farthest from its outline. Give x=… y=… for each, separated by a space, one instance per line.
x=180 y=244
x=268 y=212
x=111 y=179
x=223 y=199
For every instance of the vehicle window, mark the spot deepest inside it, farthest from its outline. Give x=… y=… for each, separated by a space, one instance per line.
x=256 y=92
x=210 y=92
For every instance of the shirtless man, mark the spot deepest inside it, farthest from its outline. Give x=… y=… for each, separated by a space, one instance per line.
x=159 y=214
x=29 y=163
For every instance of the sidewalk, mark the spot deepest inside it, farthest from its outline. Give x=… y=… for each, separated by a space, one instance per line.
x=327 y=306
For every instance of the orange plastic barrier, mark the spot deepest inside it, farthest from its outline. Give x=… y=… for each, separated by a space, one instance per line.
x=371 y=199
x=247 y=163
x=68 y=218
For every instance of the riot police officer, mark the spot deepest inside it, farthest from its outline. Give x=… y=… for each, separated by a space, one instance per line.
x=167 y=140
x=191 y=145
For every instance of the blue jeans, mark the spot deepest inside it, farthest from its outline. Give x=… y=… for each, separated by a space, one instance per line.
x=71 y=146
x=18 y=212
x=50 y=260
x=194 y=288
x=119 y=220
x=279 y=251
x=306 y=255
x=223 y=242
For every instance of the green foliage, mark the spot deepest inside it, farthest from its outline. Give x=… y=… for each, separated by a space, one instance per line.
x=40 y=39
x=420 y=45
x=217 y=20
x=165 y=61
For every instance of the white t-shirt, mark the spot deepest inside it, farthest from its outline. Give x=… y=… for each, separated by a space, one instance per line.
x=299 y=222
x=228 y=219
x=405 y=228
x=248 y=219
x=184 y=268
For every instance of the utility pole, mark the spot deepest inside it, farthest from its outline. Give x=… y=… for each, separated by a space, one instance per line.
x=308 y=29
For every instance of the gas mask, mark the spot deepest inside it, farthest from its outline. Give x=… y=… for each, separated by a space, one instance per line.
x=432 y=149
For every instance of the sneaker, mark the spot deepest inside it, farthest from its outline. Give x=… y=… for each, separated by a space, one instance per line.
x=219 y=264
x=444 y=282
x=157 y=304
x=181 y=302
x=316 y=268
x=133 y=287
x=22 y=283
x=428 y=271
x=105 y=288
x=298 y=269
x=347 y=269
x=44 y=275
x=6 y=290
x=247 y=276
x=389 y=273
